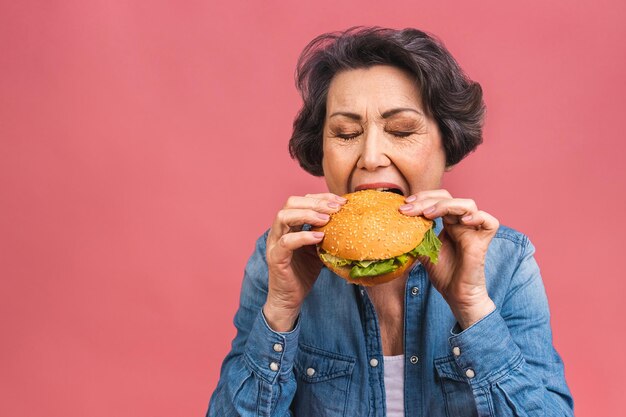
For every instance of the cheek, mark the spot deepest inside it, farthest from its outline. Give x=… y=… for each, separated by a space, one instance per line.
x=331 y=163
x=425 y=166
x=337 y=166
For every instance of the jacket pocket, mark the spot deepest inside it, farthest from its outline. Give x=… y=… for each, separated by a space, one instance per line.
x=323 y=382
x=457 y=392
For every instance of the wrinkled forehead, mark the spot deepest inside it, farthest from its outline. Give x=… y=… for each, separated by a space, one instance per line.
x=372 y=91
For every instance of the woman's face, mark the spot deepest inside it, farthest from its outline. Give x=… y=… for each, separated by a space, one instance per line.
x=377 y=135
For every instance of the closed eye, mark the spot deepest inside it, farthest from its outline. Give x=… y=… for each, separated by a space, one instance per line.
x=348 y=136
x=401 y=134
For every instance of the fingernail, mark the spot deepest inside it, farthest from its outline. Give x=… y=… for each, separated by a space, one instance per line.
x=318 y=234
x=323 y=216
x=466 y=218
x=429 y=210
x=410 y=198
x=406 y=207
x=333 y=205
x=341 y=199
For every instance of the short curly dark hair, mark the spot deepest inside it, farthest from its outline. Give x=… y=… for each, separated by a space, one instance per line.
x=448 y=95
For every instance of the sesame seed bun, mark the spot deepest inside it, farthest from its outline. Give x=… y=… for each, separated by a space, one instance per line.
x=370 y=227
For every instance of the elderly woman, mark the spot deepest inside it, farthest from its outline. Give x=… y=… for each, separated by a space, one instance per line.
x=467 y=336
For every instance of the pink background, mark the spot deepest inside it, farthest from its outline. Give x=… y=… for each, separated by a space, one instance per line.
x=143 y=148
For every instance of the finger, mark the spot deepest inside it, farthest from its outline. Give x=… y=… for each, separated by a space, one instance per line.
x=327 y=196
x=286 y=219
x=322 y=205
x=459 y=207
x=416 y=208
x=481 y=219
x=283 y=249
x=425 y=207
x=428 y=194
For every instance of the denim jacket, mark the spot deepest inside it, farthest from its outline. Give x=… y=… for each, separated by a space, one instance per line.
x=331 y=363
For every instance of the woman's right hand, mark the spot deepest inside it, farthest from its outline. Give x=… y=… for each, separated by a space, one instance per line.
x=292 y=260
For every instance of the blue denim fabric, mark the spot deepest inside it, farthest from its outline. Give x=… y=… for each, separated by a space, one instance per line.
x=325 y=365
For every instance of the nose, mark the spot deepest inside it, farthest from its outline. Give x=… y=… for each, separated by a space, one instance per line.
x=373 y=151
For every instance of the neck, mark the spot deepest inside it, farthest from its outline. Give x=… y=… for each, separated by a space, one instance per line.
x=388 y=301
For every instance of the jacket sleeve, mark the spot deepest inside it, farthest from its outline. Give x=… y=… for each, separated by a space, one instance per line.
x=256 y=378
x=508 y=358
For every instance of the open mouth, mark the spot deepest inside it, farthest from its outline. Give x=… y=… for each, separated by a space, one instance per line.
x=387 y=187
x=391 y=190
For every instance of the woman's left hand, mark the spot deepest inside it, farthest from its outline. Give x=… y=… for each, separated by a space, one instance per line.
x=459 y=274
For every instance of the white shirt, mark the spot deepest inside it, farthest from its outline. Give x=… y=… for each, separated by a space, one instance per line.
x=394 y=385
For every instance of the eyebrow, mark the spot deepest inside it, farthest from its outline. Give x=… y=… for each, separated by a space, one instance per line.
x=385 y=115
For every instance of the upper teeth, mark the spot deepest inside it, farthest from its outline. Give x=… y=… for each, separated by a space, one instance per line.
x=383 y=189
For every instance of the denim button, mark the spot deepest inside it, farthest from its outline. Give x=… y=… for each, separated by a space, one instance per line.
x=470 y=373
x=456 y=350
x=310 y=371
x=278 y=347
x=373 y=362
x=414 y=359
x=415 y=291
x=274 y=366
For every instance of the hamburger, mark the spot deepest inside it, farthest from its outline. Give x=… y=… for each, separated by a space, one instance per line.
x=369 y=242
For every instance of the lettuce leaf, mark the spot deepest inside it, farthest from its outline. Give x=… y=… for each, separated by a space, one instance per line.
x=334 y=260
x=402 y=258
x=429 y=247
x=374 y=268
